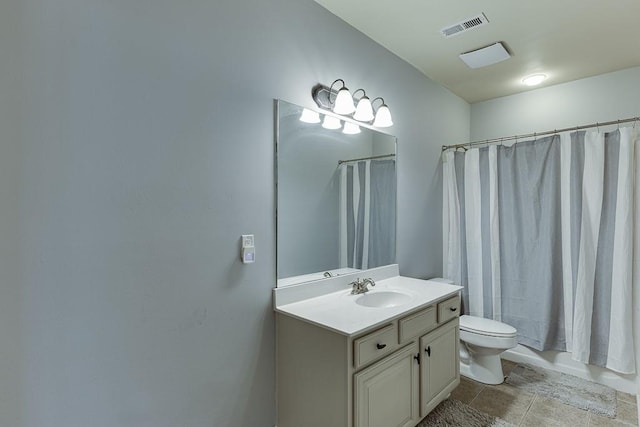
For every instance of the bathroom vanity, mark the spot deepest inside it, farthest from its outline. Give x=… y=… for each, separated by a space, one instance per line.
x=383 y=358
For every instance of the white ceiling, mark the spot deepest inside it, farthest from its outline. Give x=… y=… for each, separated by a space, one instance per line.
x=565 y=39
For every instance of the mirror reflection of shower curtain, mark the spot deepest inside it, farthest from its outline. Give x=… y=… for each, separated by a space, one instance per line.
x=367 y=209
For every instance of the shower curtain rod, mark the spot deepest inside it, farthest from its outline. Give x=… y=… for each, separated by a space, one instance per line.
x=536 y=134
x=366 y=158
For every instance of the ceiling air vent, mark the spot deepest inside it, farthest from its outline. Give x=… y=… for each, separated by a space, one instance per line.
x=467 y=24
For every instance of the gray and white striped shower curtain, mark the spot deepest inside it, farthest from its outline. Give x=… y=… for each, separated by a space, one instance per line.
x=540 y=234
x=367 y=211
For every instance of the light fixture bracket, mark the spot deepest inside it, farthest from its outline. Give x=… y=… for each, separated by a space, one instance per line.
x=321 y=94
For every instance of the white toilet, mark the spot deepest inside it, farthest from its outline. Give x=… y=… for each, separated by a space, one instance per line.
x=481 y=343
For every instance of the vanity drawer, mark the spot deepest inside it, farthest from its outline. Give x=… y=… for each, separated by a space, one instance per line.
x=448 y=309
x=418 y=323
x=373 y=346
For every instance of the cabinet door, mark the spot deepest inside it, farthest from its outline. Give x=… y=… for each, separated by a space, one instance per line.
x=386 y=393
x=440 y=368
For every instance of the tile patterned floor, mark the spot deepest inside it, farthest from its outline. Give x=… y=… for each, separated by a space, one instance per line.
x=525 y=409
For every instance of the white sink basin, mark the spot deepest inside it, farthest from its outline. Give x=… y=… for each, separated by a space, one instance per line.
x=383 y=299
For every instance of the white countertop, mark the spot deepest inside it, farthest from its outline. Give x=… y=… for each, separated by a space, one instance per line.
x=339 y=312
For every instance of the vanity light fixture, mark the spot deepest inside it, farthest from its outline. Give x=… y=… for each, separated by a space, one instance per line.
x=351 y=128
x=331 y=122
x=364 y=110
x=341 y=102
x=309 y=116
x=534 y=79
x=383 y=115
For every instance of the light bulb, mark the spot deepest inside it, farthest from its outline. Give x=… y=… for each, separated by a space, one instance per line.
x=351 y=128
x=309 y=116
x=344 y=102
x=331 y=122
x=383 y=117
x=534 y=79
x=364 y=110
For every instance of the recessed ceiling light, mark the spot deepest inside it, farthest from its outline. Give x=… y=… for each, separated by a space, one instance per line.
x=534 y=79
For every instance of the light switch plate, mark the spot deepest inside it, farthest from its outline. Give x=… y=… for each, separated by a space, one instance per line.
x=248 y=250
x=247 y=240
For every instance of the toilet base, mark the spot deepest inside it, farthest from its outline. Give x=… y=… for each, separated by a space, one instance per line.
x=486 y=369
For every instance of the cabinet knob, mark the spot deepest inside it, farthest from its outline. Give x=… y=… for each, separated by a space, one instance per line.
x=453 y=308
x=380 y=346
x=428 y=351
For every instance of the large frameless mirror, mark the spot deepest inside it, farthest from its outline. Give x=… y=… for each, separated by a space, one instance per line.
x=336 y=196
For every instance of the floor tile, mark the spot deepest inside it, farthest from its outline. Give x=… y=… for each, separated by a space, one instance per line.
x=467 y=390
x=545 y=411
x=507 y=366
x=600 y=421
x=627 y=413
x=526 y=409
x=626 y=397
x=503 y=401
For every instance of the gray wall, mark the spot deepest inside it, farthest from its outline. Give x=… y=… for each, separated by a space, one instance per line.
x=602 y=98
x=11 y=345
x=136 y=146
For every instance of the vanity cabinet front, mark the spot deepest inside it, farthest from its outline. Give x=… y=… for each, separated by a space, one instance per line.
x=390 y=376
x=386 y=393
x=440 y=365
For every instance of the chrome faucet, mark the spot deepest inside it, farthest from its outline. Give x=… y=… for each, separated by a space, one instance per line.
x=360 y=285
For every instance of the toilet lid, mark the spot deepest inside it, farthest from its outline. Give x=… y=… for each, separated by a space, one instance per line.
x=480 y=325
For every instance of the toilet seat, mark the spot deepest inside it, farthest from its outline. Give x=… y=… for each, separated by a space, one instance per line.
x=487 y=327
